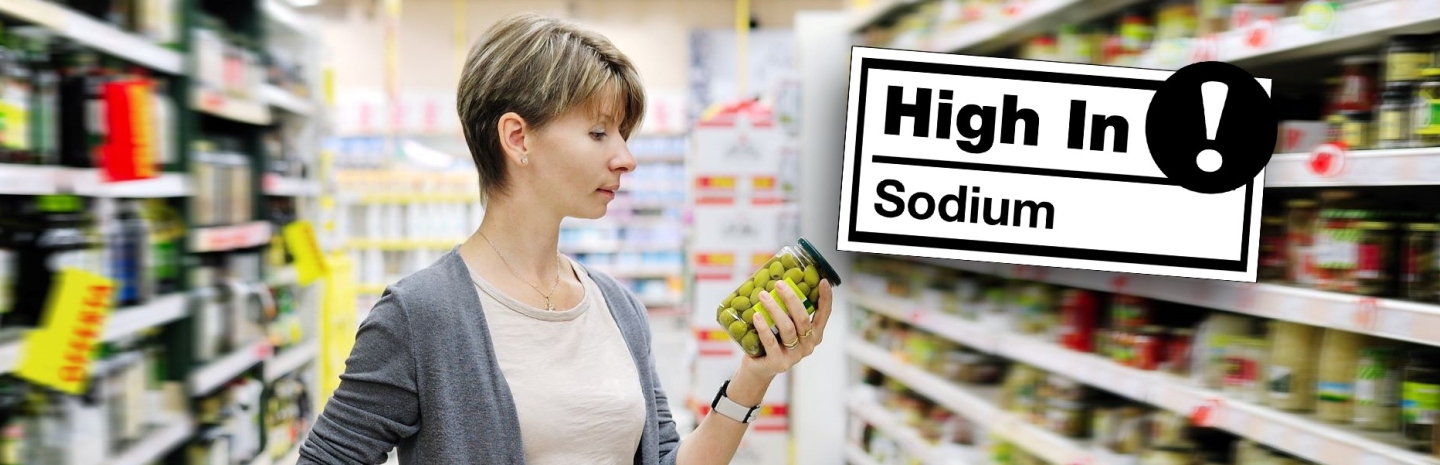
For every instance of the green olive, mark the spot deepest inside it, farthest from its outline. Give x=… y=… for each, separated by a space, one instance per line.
x=776 y=270
x=751 y=343
x=812 y=277
x=745 y=289
x=726 y=318
x=769 y=286
x=740 y=303
x=759 y=279
x=804 y=288
x=789 y=261
x=795 y=275
x=749 y=316
x=755 y=293
x=814 y=295
x=738 y=329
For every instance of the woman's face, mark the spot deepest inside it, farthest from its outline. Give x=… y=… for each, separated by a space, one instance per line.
x=578 y=159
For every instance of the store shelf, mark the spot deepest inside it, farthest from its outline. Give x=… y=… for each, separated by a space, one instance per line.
x=410 y=198
x=1363 y=25
x=286 y=15
x=158 y=443
x=281 y=186
x=218 y=372
x=856 y=456
x=283 y=276
x=290 y=360
x=164 y=309
x=1390 y=318
x=1298 y=434
x=619 y=247
x=45 y=180
x=970 y=403
x=91 y=182
x=222 y=238
x=639 y=272
x=1025 y=21
x=878 y=11
x=285 y=100
x=30 y=180
x=95 y=34
x=220 y=105
x=1359 y=168
x=863 y=405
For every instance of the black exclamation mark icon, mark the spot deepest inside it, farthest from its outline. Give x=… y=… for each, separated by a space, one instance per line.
x=1212 y=96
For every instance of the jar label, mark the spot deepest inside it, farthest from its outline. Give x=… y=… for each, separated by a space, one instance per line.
x=1405 y=66
x=1392 y=125
x=1340 y=392
x=1419 y=403
x=1367 y=264
x=1355 y=134
x=1280 y=382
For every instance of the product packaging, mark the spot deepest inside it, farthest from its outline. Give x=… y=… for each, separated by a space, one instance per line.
x=800 y=267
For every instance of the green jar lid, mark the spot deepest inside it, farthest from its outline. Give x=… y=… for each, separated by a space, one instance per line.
x=825 y=268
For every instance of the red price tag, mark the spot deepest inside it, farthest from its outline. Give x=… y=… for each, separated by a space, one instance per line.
x=1366 y=311
x=264 y=351
x=1205 y=414
x=1260 y=34
x=1328 y=159
x=1015 y=8
x=1205 y=48
x=1118 y=283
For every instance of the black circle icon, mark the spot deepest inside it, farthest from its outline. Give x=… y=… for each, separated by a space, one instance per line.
x=1244 y=133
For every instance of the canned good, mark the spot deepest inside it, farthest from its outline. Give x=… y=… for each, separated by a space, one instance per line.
x=800 y=267
x=1395 y=131
x=1149 y=345
x=1353 y=128
x=1177 y=351
x=1420 y=274
x=1068 y=418
x=1300 y=240
x=1374 y=258
x=1356 y=89
x=1272 y=249
x=1427 y=110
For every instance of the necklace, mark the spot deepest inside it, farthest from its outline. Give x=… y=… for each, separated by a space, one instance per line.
x=548 y=305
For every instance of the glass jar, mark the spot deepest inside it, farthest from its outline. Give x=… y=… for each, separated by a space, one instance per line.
x=799 y=266
x=1427 y=110
x=1300 y=216
x=1420 y=274
x=1068 y=418
x=1406 y=56
x=1395 y=130
x=1420 y=395
x=1356 y=90
x=1377 y=389
x=1272 y=249
x=1353 y=129
x=1374 y=258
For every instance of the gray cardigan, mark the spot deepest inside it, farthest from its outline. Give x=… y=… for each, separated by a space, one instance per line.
x=422 y=376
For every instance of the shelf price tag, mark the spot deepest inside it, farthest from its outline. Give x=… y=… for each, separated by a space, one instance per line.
x=60 y=354
x=1327 y=160
x=1206 y=414
x=310 y=263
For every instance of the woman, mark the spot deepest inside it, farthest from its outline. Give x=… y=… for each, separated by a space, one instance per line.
x=505 y=351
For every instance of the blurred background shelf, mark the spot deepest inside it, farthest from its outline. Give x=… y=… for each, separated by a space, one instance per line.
x=92 y=33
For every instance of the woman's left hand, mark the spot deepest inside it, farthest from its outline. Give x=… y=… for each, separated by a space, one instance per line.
x=800 y=333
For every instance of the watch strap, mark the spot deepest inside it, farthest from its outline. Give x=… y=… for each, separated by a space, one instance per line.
x=730 y=409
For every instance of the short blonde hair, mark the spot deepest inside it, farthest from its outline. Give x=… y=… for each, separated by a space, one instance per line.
x=540 y=68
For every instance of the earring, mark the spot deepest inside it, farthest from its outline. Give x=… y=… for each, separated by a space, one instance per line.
x=524 y=160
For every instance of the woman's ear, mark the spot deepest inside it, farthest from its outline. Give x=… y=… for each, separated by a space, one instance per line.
x=513 y=131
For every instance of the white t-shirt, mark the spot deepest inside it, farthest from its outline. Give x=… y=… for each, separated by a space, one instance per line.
x=575 y=385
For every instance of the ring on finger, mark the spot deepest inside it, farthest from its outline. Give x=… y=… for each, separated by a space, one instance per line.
x=807 y=333
x=793 y=345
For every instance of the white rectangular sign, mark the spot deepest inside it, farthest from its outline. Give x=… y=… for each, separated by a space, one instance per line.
x=999 y=173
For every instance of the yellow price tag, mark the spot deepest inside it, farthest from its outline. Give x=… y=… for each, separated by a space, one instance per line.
x=60 y=353
x=309 y=262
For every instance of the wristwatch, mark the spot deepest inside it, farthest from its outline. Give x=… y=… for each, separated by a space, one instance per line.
x=724 y=406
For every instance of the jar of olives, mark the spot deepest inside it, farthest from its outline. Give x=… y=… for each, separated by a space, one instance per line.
x=798 y=266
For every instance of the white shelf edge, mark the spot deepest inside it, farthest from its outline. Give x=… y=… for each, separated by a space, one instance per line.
x=95 y=34
x=1049 y=446
x=30 y=179
x=1417 y=322
x=290 y=360
x=88 y=182
x=864 y=17
x=226 y=368
x=875 y=415
x=285 y=100
x=1419 y=166
x=164 y=309
x=1157 y=388
x=286 y=15
x=1036 y=14
x=254 y=112
x=158 y=442
x=281 y=186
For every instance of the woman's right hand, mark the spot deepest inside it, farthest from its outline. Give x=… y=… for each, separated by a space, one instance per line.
x=800 y=333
